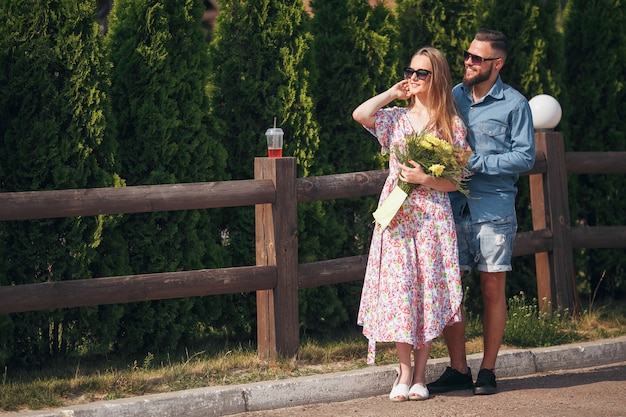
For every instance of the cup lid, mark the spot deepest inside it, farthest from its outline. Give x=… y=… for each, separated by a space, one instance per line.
x=274 y=131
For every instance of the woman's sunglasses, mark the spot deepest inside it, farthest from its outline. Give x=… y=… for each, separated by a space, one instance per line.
x=421 y=74
x=476 y=60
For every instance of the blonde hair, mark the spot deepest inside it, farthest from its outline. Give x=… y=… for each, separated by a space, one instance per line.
x=440 y=93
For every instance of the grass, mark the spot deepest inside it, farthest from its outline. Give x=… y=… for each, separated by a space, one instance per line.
x=65 y=385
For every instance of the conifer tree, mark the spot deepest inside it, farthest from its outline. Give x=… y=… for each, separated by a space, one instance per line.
x=159 y=98
x=350 y=52
x=260 y=72
x=535 y=60
x=53 y=115
x=595 y=69
x=446 y=25
x=353 y=44
x=259 y=66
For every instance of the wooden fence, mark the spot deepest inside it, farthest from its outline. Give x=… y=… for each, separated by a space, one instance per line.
x=277 y=276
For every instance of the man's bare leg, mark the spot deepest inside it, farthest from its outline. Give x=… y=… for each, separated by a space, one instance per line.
x=492 y=285
x=494 y=322
x=454 y=335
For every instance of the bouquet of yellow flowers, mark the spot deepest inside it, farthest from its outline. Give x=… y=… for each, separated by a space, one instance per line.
x=437 y=157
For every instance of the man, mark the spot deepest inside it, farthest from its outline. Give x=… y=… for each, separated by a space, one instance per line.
x=500 y=132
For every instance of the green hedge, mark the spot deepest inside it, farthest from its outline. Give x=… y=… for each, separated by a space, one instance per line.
x=151 y=102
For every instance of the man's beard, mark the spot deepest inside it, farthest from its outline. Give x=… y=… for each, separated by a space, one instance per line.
x=477 y=78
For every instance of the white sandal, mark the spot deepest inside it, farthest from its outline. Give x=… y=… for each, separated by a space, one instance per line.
x=399 y=392
x=418 y=392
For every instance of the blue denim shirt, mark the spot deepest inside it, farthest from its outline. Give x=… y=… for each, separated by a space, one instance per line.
x=502 y=137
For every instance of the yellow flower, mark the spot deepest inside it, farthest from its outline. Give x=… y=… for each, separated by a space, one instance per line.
x=446 y=147
x=437 y=169
x=426 y=144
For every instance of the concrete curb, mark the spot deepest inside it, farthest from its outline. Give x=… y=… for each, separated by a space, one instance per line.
x=340 y=386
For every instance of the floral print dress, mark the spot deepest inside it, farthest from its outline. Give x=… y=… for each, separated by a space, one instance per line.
x=412 y=287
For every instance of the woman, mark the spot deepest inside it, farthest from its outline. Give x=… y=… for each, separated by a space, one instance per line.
x=412 y=287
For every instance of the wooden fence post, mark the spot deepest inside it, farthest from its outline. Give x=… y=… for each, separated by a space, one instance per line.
x=276 y=228
x=556 y=284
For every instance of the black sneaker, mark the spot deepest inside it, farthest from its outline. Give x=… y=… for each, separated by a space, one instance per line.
x=451 y=380
x=485 y=382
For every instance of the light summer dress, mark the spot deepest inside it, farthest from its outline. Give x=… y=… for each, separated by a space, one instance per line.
x=412 y=287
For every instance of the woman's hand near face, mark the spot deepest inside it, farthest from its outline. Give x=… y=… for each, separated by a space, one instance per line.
x=401 y=89
x=365 y=113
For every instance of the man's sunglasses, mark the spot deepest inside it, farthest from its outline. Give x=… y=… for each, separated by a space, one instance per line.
x=476 y=60
x=421 y=74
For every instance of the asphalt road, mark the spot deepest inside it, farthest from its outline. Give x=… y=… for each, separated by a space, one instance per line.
x=587 y=392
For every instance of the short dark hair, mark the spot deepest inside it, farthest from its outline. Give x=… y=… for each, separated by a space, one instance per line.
x=496 y=39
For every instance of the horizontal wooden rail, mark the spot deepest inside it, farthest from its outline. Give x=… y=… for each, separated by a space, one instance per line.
x=595 y=162
x=598 y=237
x=330 y=187
x=332 y=271
x=529 y=243
x=165 y=197
x=133 y=288
x=134 y=199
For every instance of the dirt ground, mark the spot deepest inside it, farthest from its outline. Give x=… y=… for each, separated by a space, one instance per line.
x=588 y=392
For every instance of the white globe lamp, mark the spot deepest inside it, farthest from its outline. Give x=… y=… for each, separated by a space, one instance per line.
x=546 y=112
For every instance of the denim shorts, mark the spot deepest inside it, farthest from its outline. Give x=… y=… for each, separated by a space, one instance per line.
x=487 y=245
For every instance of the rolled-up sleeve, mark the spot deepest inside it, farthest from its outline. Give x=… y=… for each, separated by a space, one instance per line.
x=518 y=154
